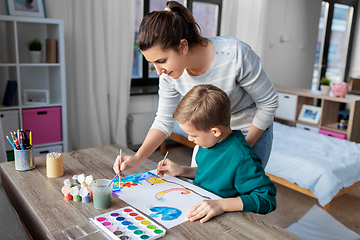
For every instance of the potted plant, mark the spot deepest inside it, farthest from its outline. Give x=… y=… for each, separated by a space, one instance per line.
x=325 y=85
x=35 y=52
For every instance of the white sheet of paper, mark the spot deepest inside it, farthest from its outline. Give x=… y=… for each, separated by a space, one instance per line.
x=167 y=201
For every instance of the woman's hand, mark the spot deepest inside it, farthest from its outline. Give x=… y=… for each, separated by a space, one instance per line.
x=205 y=209
x=170 y=168
x=127 y=163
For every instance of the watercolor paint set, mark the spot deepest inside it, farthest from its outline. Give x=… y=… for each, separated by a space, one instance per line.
x=127 y=223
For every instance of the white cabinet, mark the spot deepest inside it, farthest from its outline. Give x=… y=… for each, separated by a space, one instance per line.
x=15 y=65
x=287 y=106
x=141 y=116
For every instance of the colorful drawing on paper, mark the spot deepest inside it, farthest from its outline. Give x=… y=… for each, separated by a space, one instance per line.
x=160 y=195
x=167 y=213
x=168 y=199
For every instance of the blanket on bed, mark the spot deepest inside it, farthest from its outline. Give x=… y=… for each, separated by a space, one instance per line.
x=320 y=163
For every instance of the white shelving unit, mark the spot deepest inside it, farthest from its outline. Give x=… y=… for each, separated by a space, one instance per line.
x=15 y=64
x=292 y=99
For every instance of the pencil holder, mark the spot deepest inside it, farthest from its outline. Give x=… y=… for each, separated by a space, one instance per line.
x=24 y=159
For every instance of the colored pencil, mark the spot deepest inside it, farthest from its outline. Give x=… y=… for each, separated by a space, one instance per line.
x=17 y=144
x=159 y=171
x=21 y=142
x=30 y=136
x=11 y=142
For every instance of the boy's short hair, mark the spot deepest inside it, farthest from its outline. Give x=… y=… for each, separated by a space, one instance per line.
x=204 y=106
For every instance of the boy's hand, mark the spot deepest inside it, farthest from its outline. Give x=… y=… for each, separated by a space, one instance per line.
x=169 y=167
x=205 y=209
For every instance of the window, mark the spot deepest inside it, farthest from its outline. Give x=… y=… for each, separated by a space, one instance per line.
x=207 y=14
x=334 y=41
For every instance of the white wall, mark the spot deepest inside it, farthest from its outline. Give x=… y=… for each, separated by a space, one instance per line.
x=292 y=28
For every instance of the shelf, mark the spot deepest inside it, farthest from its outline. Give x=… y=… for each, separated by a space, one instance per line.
x=47 y=144
x=7 y=64
x=15 y=32
x=4 y=108
x=334 y=127
x=307 y=123
x=27 y=106
x=39 y=64
x=330 y=106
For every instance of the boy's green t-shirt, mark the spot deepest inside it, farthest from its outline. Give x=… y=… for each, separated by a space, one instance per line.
x=230 y=169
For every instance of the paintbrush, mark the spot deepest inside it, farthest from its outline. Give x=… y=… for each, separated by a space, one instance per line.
x=111 y=182
x=115 y=176
x=159 y=171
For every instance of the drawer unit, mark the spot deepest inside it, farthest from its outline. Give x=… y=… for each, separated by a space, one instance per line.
x=42 y=151
x=287 y=106
x=332 y=134
x=44 y=124
x=10 y=122
x=307 y=127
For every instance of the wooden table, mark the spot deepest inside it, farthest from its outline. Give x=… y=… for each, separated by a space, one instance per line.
x=41 y=205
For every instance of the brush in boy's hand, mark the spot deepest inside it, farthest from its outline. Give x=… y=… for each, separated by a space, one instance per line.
x=159 y=171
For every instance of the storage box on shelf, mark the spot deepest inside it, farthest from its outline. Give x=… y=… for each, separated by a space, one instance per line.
x=330 y=111
x=45 y=124
x=15 y=32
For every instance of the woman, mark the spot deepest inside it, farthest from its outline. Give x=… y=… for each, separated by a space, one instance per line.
x=171 y=40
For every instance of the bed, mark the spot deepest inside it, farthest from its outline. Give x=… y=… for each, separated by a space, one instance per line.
x=319 y=166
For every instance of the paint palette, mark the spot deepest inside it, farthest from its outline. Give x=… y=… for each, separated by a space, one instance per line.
x=127 y=223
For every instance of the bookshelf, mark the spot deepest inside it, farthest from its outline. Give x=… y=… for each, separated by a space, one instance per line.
x=15 y=65
x=292 y=99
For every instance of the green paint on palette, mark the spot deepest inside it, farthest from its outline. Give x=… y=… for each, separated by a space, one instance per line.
x=158 y=231
x=138 y=232
x=144 y=237
x=151 y=226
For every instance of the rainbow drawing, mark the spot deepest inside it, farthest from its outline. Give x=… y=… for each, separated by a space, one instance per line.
x=160 y=195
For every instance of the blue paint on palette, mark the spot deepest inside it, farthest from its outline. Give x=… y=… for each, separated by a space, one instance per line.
x=168 y=213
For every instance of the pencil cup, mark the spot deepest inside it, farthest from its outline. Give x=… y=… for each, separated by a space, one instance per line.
x=24 y=159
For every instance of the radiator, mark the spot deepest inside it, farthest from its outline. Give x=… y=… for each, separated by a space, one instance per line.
x=138 y=125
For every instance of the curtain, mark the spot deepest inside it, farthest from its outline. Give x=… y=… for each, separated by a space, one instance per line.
x=99 y=44
x=245 y=20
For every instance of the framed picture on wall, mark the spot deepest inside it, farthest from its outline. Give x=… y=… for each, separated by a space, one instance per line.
x=26 y=8
x=310 y=114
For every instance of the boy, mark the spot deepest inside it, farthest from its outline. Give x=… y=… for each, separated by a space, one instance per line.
x=226 y=164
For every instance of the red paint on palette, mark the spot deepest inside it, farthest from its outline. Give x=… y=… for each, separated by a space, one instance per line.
x=133 y=214
x=127 y=210
x=101 y=219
